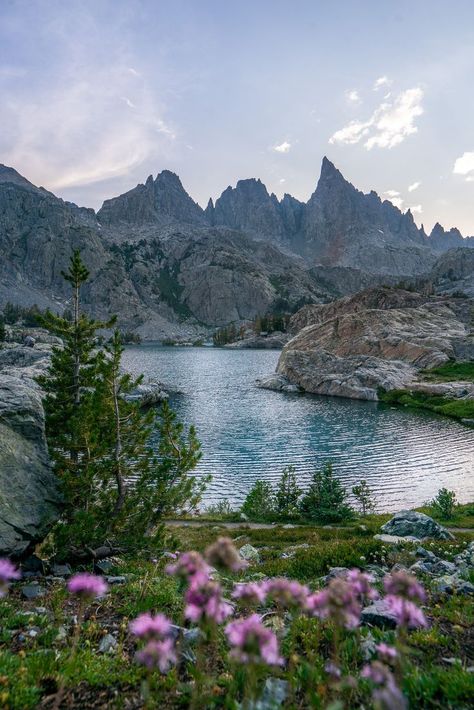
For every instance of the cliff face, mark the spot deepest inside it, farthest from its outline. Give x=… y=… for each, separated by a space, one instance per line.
x=156 y=257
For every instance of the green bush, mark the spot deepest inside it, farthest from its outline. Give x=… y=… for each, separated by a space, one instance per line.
x=326 y=499
x=364 y=497
x=445 y=503
x=260 y=502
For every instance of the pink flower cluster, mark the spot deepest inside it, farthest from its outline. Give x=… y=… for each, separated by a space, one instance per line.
x=8 y=572
x=158 y=654
x=148 y=626
x=252 y=642
x=188 y=565
x=287 y=593
x=250 y=593
x=87 y=586
x=159 y=651
x=338 y=602
x=224 y=554
x=387 y=695
x=401 y=589
x=204 y=601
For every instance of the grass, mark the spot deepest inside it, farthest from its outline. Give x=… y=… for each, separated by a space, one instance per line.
x=454 y=408
x=450 y=372
x=31 y=664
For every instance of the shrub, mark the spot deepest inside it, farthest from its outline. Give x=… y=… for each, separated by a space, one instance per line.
x=260 y=501
x=364 y=497
x=325 y=499
x=445 y=503
x=287 y=494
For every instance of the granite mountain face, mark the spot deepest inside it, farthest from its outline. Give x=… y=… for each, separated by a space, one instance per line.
x=168 y=267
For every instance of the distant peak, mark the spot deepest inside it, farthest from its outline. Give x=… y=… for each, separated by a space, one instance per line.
x=167 y=176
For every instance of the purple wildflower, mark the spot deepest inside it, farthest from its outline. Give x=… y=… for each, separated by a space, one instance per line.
x=402 y=584
x=333 y=670
x=252 y=642
x=361 y=583
x=158 y=654
x=406 y=612
x=188 y=565
x=204 y=601
x=337 y=602
x=87 y=585
x=287 y=593
x=148 y=626
x=386 y=653
x=387 y=695
x=223 y=553
x=8 y=572
x=251 y=593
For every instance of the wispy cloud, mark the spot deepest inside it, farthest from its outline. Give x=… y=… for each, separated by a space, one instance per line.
x=388 y=126
x=90 y=120
x=283 y=147
x=414 y=186
x=353 y=96
x=392 y=193
x=416 y=209
x=465 y=166
x=381 y=82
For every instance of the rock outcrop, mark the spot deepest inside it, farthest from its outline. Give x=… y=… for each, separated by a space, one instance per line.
x=353 y=349
x=29 y=493
x=408 y=523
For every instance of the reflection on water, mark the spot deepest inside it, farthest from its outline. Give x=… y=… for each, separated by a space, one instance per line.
x=248 y=433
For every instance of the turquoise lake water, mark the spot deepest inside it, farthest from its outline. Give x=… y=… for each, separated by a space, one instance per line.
x=249 y=434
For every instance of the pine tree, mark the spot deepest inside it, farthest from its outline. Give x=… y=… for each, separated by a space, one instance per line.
x=115 y=487
x=68 y=385
x=287 y=493
x=325 y=499
x=164 y=485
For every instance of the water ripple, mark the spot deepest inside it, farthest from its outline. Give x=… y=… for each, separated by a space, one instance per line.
x=249 y=434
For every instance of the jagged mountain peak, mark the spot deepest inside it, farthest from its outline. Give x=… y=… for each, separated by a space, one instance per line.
x=162 y=200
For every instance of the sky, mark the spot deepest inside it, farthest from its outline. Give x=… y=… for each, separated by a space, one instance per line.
x=98 y=94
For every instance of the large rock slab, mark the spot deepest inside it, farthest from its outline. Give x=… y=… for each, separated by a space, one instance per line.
x=29 y=493
x=356 y=352
x=408 y=523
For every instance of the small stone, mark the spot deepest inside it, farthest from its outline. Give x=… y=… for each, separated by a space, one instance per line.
x=104 y=566
x=336 y=572
x=33 y=564
x=444 y=567
x=41 y=610
x=33 y=591
x=108 y=644
x=395 y=539
x=274 y=695
x=120 y=579
x=61 y=570
x=465 y=588
x=378 y=614
x=62 y=634
x=249 y=553
x=33 y=633
x=425 y=554
x=421 y=567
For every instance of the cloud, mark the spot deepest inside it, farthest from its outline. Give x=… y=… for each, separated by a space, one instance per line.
x=465 y=166
x=414 y=186
x=381 y=82
x=91 y=118
x=352 y=96
x=282 y=180
x=388 y=126
x=416 y=209
x=392 y=193
x=283 y=147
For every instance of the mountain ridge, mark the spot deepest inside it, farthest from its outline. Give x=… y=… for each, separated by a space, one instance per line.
x=167 y=266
